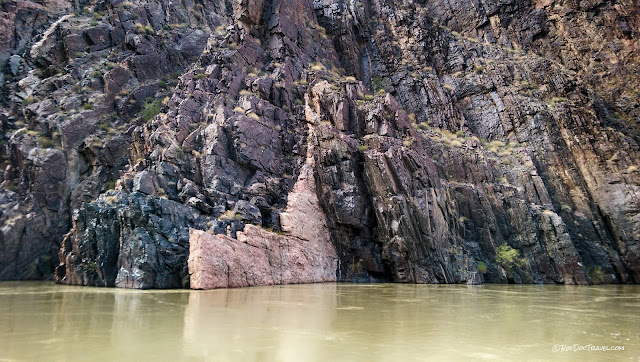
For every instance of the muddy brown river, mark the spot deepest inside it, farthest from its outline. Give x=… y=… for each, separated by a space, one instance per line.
x=320 y=322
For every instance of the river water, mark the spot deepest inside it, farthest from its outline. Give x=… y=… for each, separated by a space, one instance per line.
x=319 y=322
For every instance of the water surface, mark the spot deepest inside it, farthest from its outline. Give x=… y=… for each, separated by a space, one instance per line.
x=320 y=322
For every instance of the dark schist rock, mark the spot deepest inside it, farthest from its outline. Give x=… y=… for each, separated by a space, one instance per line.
x=71 y=90
x=130 y=241
x=453 y=142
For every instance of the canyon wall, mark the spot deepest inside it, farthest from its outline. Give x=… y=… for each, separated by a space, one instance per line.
x=410 y=141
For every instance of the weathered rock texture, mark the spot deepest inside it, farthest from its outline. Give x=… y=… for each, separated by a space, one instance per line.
x=257 y=257
x=431 y=133
x=261 y=257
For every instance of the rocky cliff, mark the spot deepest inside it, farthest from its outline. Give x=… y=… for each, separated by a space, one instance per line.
x=443 y=141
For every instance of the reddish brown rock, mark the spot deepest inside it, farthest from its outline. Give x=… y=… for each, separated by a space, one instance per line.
x=261 y=257
x=257 y=257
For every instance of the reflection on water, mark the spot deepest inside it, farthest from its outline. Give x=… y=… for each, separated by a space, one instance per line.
x=352 y=322
x=261 y=323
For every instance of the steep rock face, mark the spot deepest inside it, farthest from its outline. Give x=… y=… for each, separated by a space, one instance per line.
x=257 y=257
x=303 y=253
x=77 y=77
x=457 y=141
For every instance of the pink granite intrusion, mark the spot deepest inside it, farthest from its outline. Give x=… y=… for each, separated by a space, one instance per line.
x=260 y=257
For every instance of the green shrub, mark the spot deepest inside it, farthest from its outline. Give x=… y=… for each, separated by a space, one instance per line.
x=459 y=134
x=200 y=76
x=482 y=267
x=87 y=106
x=356 y=266
x=376 y=83
x=150 y=109
x=508 y=257
x=110 y=185
x=363 y=148
x=145 y=28
x=45 y=142
x=318 y=67
x=229 y=216
x=596 y=275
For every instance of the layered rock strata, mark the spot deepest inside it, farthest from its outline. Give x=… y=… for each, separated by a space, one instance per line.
x=444 y=141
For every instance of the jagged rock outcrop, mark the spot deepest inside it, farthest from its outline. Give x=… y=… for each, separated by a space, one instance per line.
x=447 y=141
x=131 y=241
x=303 y=253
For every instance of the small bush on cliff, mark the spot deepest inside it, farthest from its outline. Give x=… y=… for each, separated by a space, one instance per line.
x=376 y=83
x=509 y=257
x=596 y=275
x=482 y=267
x=322 y=31
x=110 y=185
x=150 y=109
x=318 y=67
x=229 y=215
x=144 y=29
x=45 y=142
x=356 y=266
